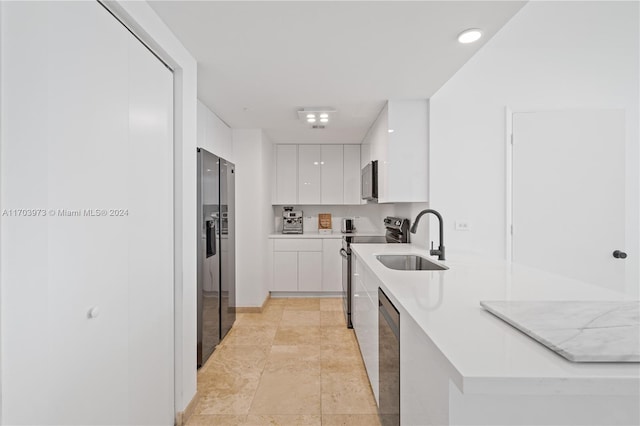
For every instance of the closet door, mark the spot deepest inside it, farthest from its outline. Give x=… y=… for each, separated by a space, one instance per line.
x=87 y=289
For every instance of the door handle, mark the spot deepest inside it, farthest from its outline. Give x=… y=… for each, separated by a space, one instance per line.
x=619 y=254
x=343 y=253
x=211 y=238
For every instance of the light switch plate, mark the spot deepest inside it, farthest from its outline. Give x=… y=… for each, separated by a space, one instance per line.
x=462 y=225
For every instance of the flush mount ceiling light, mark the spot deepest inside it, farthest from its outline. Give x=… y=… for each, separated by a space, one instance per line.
x=469 y=36
x=312 y=114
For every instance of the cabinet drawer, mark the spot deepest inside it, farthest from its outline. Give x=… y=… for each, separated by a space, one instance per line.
x=297 y=244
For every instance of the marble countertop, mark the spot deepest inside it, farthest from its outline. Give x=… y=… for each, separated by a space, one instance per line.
x=334 y=234
x=579 y=331
x=486 y=354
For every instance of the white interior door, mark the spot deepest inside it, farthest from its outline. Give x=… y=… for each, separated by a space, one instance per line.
x=569 y=193
x=87 y=276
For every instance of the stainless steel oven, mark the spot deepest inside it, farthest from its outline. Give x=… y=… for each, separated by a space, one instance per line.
x=397 y=231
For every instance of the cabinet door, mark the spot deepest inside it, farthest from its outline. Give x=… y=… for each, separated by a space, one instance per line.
x=286 y=174
x=309 y=158
x=365 y=322
x=351 y=180
x=332 y=165
x=360 y=307
x=285 y=271
x=309 y=271
x=331 y=264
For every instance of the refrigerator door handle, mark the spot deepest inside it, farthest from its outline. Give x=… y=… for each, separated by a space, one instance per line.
x=211 y=238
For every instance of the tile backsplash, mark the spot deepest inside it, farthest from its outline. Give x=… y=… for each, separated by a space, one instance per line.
x=368 y=217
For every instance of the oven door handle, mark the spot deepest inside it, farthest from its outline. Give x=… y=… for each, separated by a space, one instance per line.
x=343 y=253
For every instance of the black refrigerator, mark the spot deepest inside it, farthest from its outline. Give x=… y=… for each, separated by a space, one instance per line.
x=216 y=289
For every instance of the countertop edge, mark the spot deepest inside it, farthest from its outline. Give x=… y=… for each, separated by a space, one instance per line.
x=315 y=235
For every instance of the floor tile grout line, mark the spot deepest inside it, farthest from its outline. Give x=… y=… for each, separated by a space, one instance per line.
x=264 y=367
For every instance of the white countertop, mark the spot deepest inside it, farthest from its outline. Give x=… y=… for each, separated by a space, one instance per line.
x=487 y=354
x=335 y=234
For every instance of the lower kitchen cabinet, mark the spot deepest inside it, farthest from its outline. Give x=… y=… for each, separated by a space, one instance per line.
x=331 y=265
x=309 y=271
x=285 y=271
x=307 y=265
x=365 y=320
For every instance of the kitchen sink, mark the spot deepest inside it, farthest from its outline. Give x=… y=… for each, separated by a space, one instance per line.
x=409 y=262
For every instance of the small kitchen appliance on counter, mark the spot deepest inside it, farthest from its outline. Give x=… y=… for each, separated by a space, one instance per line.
x=291 y=221
x=348 y=225
x=397 y=231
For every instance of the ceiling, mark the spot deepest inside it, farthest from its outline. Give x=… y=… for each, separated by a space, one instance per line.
x=259 y=62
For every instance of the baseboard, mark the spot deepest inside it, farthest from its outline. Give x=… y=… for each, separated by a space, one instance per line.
x=316 y=294
x=183 y=416
x=253 y=309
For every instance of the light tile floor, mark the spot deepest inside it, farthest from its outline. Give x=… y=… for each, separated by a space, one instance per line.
x=296 y=363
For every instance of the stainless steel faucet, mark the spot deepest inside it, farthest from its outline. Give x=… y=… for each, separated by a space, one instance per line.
x=414 y=227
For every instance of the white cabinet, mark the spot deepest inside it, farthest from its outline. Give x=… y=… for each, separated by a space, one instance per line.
x=320 y=171
x=285 y=271
x=309 y=271
x=317 y=174
x=365 y=319
x=297 y=264
x=399 y=140
x=331 y=264
x=309 y=170
x=286 y=186
x=306 y=265
x=332 y=172
x=351 y=176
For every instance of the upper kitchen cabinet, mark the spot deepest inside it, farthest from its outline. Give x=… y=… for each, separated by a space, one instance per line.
x=351 y=177
x=399 y=140
x=309 y=174
x=317 y=174
x=286 y=188
x=332 y=174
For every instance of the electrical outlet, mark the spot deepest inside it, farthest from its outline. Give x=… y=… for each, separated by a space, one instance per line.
x=462 y=226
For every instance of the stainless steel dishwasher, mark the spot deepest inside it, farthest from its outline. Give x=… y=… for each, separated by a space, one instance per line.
x=389 y=361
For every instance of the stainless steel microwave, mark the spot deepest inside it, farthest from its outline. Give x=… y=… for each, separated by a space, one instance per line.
x=369 y=182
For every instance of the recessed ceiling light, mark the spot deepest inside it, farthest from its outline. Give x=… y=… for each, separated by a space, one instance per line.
x=391 y=130
x=470 y=35
x=324 y=115
x=324 y=120
x=311 y=116
x=311 y=120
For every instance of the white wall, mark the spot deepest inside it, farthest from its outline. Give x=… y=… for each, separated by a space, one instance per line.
x=253 y=153
x=213 y=134
x=147 y=25
x=551 y=55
